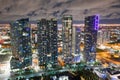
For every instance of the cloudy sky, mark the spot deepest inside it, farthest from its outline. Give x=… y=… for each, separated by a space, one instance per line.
x=37 y=9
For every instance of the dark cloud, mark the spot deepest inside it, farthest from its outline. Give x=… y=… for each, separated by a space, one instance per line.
x=32 y=13
x=115 y=6
x=0 y=12
x=69 y=1
x=59 y=4
x=85 y=11
x=55 y=13
x=8 y=9
x=115 y=14
x=37 y=9
x=64 y=12
x=115 y=20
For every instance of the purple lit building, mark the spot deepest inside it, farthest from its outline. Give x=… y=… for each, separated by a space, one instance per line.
x=90 y=38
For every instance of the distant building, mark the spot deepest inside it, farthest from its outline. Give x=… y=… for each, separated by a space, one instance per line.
x=67 y=36
x=21 y=44
x=47 y=41
x=5 y=36
x=103 y=36
x=108 y=33
x=90 y=38
x=114 y=35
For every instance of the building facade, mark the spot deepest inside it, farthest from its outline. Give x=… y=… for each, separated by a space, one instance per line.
x=76 y=38
x=67 y=36
x=21 y=44
x=53 y=33
x=5 y=36
x=90 y=38
x=47 y=41
x=103 y=36
x=34 y=37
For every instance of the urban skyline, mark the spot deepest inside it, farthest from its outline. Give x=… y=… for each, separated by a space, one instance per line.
x=59 y=40
x=91 y=23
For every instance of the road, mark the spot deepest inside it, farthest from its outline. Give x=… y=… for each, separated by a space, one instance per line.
x=105 y=57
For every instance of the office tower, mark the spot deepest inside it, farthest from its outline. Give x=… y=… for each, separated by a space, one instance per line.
x=34 y=37
x=5 y=51
x=76 y=40
x=35 y=61
x=114 y=35
x=21 y=44
x=53 y=39
x=106 y=36
x=67 y=36
x=90 y=38
x=5 y=36
x=100 y=37
x=103 y=36
x=47 y=41
x=60 y=43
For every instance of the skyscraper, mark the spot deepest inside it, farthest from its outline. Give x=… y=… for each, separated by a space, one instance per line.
x=67 y=35
x=21 y=44
x=103 y=36
x=47 y=41
x=76 y=40
x=53 y=39
x=34 y=37
x=90 y=38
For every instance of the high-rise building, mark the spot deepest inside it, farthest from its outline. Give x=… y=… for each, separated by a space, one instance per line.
x=76 y=40
x=5 y=36
x=90 y=38
x=35 y=61
x=60 y=38
x=34 y=37
x=47 y=41
x=43 y=48
x=114 y=35
x=21 y=44
x=53 y=39
x=103 y=36
x=67 y=36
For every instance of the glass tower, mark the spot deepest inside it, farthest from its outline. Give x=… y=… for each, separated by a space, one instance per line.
x=76 y=40
x=90 y=38
x=47 y=41
x=67 y=36
x=53 y=39
x=21 y=44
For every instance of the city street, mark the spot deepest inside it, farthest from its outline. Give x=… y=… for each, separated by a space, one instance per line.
x=105 y=57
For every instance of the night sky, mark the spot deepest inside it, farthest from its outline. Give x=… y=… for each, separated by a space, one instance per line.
x=109 y=10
